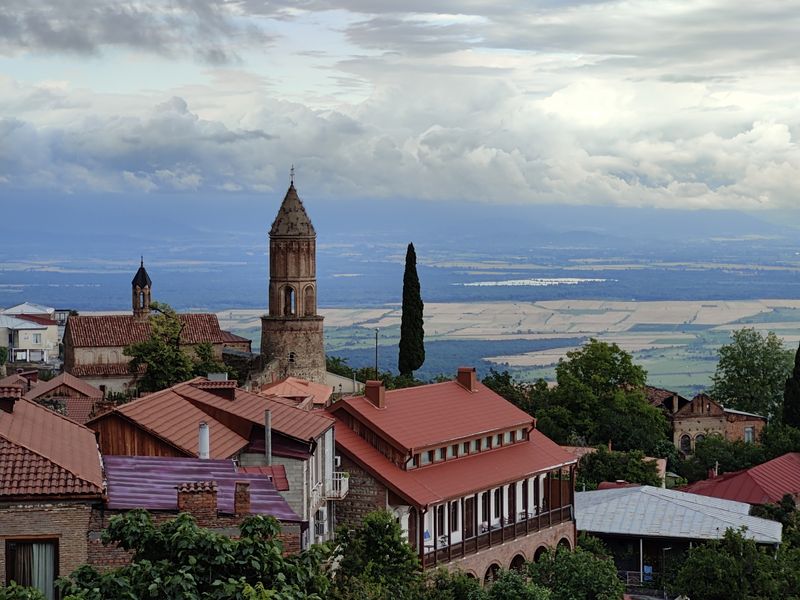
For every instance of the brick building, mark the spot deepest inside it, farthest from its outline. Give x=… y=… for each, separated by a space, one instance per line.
x=472 y=482
x=50 y=481
x=703 y=416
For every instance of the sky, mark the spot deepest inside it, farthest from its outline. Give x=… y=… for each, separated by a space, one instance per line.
x=691 y=105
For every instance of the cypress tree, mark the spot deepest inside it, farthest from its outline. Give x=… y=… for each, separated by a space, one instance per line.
x=412 y=335
x=791 y=395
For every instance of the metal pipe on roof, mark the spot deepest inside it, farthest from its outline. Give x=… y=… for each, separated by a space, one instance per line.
x=204 y=442
x=268 y=436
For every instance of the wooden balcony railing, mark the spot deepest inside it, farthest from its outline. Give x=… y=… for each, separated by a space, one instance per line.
x=496 y=536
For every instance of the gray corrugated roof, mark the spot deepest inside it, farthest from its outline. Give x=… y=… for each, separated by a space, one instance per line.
x=656 y=512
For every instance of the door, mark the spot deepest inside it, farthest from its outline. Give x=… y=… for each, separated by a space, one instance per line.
x=469 y=517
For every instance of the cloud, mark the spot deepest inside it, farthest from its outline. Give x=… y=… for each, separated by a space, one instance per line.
x=205 y=29
x=668 y=104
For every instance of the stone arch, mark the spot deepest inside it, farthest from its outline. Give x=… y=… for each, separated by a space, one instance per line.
x=289 y=301
x=564 y=543
x=686 y=443
x=537 y=556
x=309 y=308
x=517 y=563
x=491 y=574
x=471 y=574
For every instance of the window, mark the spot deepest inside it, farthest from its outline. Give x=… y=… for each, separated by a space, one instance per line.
x=476 y=445
x=289 y=302
x=441 y=453
x=454 y=450
x=454 y=516
x=466 y=447
x=499 y=441
x=34 y=564
x=485 y=507
x=512 y=436
x=698 y=438
x=749 y=434
x=686 y=444
x=431 y=455
x=488 y=442
x=426 y=458
x=292 y=358
x=37 y=338
x=440 y=519
x=415 y=461
x=498 y=501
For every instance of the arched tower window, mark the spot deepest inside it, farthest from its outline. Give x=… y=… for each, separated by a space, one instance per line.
x=289 y=301
x=699 y=438
x=292 y=358
x=308 y=301
x=686 y=444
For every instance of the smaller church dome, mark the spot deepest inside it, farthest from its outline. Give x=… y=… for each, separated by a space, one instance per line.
x=141 y=279
x=292 y=219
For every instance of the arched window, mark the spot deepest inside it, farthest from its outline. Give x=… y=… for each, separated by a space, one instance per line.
x=289 y=301
x=141 y=299
x=292 y=358
x=308 y=301
x=686 y=444
x=698 y=438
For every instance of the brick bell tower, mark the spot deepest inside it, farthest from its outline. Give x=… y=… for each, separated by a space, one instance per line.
x=291 y=334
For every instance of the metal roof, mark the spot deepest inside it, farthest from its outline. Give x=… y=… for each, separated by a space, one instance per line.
x=150 y=482
x=28 y=308
x=647 y=511
x=11 y=322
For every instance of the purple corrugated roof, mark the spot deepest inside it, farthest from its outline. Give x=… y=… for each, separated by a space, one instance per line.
x=150 y=482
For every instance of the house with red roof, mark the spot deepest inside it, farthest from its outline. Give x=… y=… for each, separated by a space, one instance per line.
x=51 y=479
x=471 y=480
x=266 y=435
x=304 y=393
x=94 y=344
x=68 y=395
x=766 y=483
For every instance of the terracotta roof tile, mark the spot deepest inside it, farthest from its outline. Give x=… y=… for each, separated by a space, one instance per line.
x=174 y=419
x=38 y=319
x=229 y=337
x=286 y=418
x=11 y=391
x=764 y=483
x=430 y=415
x=276 y=474
x=296 y=388
x=106 y=370
x=14 y=379
x=56 y=455
x=43 y=388
x=458 y=477
x=122 y=330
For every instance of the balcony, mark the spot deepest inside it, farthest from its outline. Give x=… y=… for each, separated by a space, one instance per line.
x=337 y=486
x=500 y=534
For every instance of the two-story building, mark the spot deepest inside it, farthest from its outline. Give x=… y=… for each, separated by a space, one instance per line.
x=266 y=435
x=471 y=480
x=703 y=416
x=30 y=339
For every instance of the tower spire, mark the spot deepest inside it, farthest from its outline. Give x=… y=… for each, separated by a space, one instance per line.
x=291 y=175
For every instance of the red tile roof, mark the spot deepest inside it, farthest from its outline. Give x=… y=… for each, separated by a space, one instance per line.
x=458 y=477
x=296 y=388
x=286 y=418
x=434 y=414
x=276 y=473
x=11 y=391
x=39 y=320
x=173 y=418
x=122 y=330
x=229 y=337
x=14 y=379
x=106 y=370
x=762 y=484
x=43 y=388
x=44 y=453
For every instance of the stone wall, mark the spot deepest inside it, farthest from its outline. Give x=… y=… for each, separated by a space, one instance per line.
x=366 y=495
x=296 y=344
x=66 y=522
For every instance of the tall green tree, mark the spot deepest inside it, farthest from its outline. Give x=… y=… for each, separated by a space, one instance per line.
x=206 y=362
x=751 y=373
x=412 y=334
x=791 y=395
x=577 y=575
x=165 y=362
x=607 y=465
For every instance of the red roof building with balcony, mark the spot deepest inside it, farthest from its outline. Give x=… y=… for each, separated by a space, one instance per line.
x=472 y=481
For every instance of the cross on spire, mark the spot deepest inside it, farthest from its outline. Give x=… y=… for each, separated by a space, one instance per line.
x=291 y=175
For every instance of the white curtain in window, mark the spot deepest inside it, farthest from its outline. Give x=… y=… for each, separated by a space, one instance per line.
x=43 y=575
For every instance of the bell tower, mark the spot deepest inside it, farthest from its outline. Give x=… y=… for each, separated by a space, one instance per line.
x=291 y=333
x=140 y=288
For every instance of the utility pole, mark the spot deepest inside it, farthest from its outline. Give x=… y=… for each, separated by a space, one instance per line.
x=376 y=352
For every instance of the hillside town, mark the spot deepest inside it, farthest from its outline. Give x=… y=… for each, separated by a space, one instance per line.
x=456 y=488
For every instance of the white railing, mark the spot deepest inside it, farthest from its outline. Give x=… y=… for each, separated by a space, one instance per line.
x=338 y=485
x=316 y=496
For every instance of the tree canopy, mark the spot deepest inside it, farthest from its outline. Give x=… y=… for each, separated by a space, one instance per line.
x=605 y=465
x=751 y=373
x=577 y=575
x=791 y=395
x=412 y=334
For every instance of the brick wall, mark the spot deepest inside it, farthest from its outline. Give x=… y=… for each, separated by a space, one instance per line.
x=736 y=424
x=66 y=522
x=366 y=495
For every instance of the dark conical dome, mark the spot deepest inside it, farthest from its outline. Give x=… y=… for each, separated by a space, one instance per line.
x=141 y=279
x=292 y=219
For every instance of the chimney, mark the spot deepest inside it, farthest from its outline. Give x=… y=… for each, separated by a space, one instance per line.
x=467 y=377
x=376 y=393
x=268 y=436
x=203 y=442
x=241 y=499
x=199 y=499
